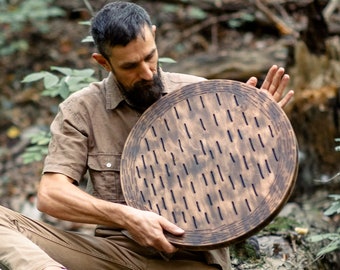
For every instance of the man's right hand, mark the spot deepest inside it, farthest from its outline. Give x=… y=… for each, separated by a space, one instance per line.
x=147 y=228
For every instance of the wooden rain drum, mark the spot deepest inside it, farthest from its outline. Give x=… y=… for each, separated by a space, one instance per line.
x=217 y=158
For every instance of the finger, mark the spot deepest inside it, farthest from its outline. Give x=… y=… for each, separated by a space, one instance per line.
x=282 y=84
x=269 y=77
x=252 y=81
x=277 y=82
x=171 y=228
x=283 y=102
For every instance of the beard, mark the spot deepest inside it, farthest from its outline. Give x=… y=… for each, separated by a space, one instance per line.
x=143 y=93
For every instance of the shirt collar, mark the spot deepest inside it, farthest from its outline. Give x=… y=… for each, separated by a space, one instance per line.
x=112 y=93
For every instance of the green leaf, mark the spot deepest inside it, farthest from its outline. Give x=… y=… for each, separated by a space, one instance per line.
x=50 y=80
x=329 y=248
x=34 y=77
x=321 y=237
x=63 y=70
x=166 y=60
x=87 y=39
x=88 y=72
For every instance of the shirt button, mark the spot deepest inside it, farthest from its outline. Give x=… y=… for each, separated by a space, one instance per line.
x=108 y=165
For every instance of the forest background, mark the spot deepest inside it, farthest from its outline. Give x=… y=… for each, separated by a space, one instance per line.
x=230 y=39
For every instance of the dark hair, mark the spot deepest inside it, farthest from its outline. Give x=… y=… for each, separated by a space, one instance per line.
x=118 y=23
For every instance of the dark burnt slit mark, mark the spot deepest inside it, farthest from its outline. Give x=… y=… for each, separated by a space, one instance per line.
x=221 y=195
x=152 y=171
x=198 y=206
x=231 y=182
x=187 y=131
x=155 y=156
x=196 y=160
x=206 y=217
x=232 y=157
x=267 y=166
x=188 y=103
x=179 y=181
x=271 y=131
x=176 y=112
x=201 y=98
x=138 y=173
x=146 y=183
x=256 y=122
x=236 y=101
x=180 y=145
x=242 y=181
x=194 y=220
x=158 y=209
x=154 y=131
x=219 y=172
x=260 y=139
x=185 y=203
x=150 y=204
x=209 y=199
x=215 y=119
x=205 y=179
x=153 y=190
x=254 y=189
x=147 y=144
x=219 y=147
x=220 y=213
x=202 y=146
x=166 y=124
x=174 y=217
x=162 y=183
x=164 y=204
x=260 y=170
x=240 y=134
x=144 y=164
x=211 y=154
x=213 y=177
x=192 y=187
x=245 y=162
x=248 y=206
x=234 y=207
x=229 y=116
x=274 y=153
x=173 y=196
x=202 y=124
x=142 y=195
x=167 y=169
x=252 y=145
x=173 y=159
x=245 y=118
x=185 y=169
x=163 y=145
x=218 y=99
x=184 y=218
x=229 y=135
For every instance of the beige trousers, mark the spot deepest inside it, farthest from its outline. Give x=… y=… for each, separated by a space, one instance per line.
x=30 y=245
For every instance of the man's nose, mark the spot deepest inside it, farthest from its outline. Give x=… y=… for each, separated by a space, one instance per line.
x=146 y=72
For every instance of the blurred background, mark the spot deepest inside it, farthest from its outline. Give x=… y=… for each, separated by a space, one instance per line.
x=44 y=41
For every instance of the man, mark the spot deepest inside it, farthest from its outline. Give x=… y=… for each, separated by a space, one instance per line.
x=89 y=133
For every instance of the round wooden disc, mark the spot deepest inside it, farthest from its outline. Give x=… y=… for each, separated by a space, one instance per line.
x=217 y=158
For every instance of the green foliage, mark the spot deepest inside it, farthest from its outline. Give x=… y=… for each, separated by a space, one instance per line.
x=64 y=84
x=38 y=149
x=16 y=16
x=69 y=81
x=332 y=238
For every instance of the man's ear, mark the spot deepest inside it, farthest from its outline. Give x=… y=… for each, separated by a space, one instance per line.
x=154 y=30
x=101 y=60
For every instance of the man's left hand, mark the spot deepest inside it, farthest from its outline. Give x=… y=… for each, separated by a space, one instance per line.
x=275 y=83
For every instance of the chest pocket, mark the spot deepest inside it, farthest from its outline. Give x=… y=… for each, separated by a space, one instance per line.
x=104 y=170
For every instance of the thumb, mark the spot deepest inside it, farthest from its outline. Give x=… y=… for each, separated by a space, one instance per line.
x=171 y=228
x=252 y=81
